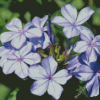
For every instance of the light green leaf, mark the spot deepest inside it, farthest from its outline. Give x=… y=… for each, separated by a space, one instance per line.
x=13 y=94
x=27 y=16
x=39 y=1
x=4 y=91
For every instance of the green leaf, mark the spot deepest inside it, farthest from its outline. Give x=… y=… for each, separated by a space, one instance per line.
x=14 y=15
x=2 y=22
x=20 y=0
x=79 y=4
x=84 y=91
x=4 y=91
x=27 y=16
x=39 y=1
x=12 y=95
x=5 y=13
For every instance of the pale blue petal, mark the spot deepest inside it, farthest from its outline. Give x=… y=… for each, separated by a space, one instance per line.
x=69 y=12
x=84 y=15
x=50 y=65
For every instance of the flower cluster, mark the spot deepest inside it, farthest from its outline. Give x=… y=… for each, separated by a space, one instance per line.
x=20 y=52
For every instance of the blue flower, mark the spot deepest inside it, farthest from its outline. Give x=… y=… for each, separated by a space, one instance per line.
x=18 y=60
x=70 y=23
x=89 y=44
x=17 y=34
x=91 y=75
x=46 y=80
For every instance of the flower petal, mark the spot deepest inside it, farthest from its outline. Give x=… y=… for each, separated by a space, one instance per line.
x=15 y=25
x=43 y=20
x=3 y=60
x=39 y=87
x=59 y=21
x=26 y=49
x=46 y=41
x=84 y=73
x=33 y=32
x=81 y=46
x=7 y=36
x=26 y=27
x=70 y=31
x=3 y=51
x=91 y=54
x=93 y=87
x=21 y=70
x=32 y=58
x=97 y=49
x=18 y=41
x=36 y=22
x=84 y=15
x=37 y=72
x=73 y=63
x=62 y=77
x=96 y=40
x=54 y=89
x=69 y=12
x=9 y=66
x=86 y=34
x=50 y=65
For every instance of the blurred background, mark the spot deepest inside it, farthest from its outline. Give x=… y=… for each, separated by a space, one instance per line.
x=14 y=88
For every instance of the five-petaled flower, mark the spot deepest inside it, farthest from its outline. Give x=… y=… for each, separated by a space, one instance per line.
x=17 y=34
x=18 y=60
x=89 y=44
x=46 y=79
x=70 y=23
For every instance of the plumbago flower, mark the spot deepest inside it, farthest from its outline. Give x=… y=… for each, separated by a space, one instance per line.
x=18 y=60
x=89 y=44
x=17 y=34
x=46 y=79
x=72 y=26
x=44 y=40
x=91 y=75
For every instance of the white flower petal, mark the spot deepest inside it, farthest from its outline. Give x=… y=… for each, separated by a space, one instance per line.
x=37 y=72
x=80 y=47
x=43 y=20
x=46 y=41
x=33 y=32
x=26 y=49
x=26 y=27
x=59 y=21
x=86 y=34
x=7 y=36
x=39 y=87
x=32 y=58
x=3 y=51
x=61 y=77
x=21 y=70
x=9 y=66
x=69 y=12
x=84 y=15
x=50 y=65
x=14 y=25
x=36 y=22
x=18 y=41
x=3 y=60
x=54 y=89
x=70 y=31
x=91 y=54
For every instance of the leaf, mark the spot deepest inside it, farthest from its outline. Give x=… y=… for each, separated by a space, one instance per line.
x=20 y=0
x=14 y=15
x=2 y=22
x=84 y=92
x=39 y=1
x=13 y=94
x=27 y=16
x=4 y=91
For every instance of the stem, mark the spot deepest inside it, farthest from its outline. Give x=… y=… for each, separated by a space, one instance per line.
x=67 y=45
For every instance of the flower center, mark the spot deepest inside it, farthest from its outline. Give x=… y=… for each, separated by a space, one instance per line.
x=22 y=31
x=49 y=78
x=20 y=59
